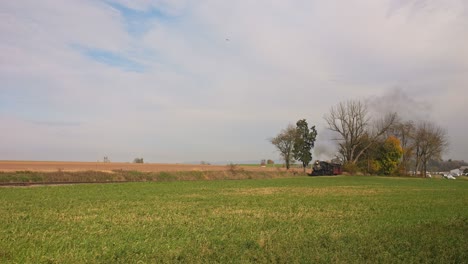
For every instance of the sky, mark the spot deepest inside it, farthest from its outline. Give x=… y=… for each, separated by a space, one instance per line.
x=187 y=81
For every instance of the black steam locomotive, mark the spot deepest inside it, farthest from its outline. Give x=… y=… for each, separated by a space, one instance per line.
x=326 y=168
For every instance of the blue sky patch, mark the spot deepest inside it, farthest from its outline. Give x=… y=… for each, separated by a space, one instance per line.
x=112 y=59
x=139 y=22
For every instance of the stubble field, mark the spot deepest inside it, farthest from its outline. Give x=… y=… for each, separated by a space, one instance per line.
x=36 y=173
x=345 y=219
x=50 y=166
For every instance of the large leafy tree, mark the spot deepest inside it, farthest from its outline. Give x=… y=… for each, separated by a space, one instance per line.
x=304 y=142
x=284 y=143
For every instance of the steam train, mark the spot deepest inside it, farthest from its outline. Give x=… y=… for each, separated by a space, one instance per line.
x=326 y=168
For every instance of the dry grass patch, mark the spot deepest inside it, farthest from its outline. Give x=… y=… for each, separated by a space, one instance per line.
x=306 y=191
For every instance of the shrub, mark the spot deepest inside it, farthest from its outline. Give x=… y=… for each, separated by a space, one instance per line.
x=350 y=168
x=234 y=168
x=138 y=160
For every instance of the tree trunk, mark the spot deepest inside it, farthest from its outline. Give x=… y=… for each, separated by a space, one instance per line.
x=424 y=168
x=416 y=167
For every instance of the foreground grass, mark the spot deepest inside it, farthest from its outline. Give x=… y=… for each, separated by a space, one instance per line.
x=307 y=219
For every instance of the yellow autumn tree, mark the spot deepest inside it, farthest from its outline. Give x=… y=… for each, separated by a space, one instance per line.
x=389 y=155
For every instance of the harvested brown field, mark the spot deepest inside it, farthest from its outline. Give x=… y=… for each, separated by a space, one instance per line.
x=49 y=166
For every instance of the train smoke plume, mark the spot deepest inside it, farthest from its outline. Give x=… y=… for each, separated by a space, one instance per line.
x=396 y=100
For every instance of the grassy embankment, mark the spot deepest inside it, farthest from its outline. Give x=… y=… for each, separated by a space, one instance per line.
x=303 y=219
x=231 y=173
x=276 y=165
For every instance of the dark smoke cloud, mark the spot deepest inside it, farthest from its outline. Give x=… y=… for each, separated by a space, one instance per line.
x=397 y=100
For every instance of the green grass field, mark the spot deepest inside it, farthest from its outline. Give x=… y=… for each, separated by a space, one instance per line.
x=293 y=220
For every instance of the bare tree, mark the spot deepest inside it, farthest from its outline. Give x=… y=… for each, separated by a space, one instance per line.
x=357 y=132
x=284 y=142
x=430 y=141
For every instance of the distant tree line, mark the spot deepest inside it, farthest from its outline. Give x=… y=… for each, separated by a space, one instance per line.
x=265 y=162
x=368 y=143
x=445 y=165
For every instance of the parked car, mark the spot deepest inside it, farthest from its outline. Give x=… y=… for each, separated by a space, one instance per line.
x=449 y=176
